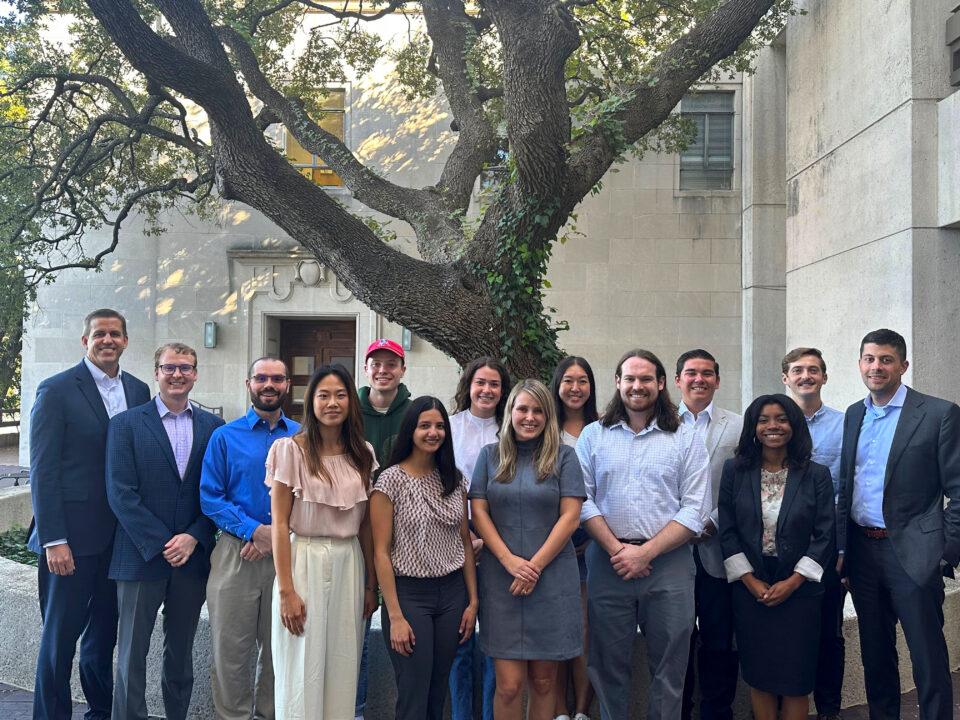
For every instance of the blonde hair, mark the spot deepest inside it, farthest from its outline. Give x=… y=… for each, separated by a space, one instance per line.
x=545 y=456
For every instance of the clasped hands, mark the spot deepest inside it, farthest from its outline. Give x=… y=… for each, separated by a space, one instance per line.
x=525 y=574
x=771 y=595
x=631 y=561
x=259 y=546
x=179 y=548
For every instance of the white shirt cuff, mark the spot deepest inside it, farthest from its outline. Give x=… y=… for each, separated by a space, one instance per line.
x=55 y=542
x=736 y=566
x=809 y=568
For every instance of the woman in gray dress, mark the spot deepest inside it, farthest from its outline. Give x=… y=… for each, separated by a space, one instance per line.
x=525 y=497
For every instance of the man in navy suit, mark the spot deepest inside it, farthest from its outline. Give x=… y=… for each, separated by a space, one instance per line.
x=161 y=554
x=72 y=529
x=900 y=459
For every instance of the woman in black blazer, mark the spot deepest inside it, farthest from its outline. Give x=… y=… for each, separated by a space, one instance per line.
x=777 y=530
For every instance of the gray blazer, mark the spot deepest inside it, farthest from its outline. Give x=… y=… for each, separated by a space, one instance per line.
x=923 y=469
x=723 y=435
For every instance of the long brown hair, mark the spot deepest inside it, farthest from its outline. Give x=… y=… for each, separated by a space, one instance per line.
x=461 y=398
x=664 y=411
x=351 y=431
x=545 y=456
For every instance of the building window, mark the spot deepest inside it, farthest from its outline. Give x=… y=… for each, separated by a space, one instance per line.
x=310 y=165
x=708 y=163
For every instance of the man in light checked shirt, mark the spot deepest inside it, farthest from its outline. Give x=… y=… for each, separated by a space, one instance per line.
x=648 y=493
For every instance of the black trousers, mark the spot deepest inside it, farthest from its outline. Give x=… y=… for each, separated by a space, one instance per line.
x=717 y=661
x=883 y=593
x=830 y=660
x=433 y=607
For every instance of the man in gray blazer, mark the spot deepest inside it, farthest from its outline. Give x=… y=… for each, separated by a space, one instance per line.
x=698 y=377
x=900 y=459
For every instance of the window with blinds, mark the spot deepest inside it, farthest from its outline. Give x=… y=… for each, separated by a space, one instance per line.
x=311 y=165
x=708 y=163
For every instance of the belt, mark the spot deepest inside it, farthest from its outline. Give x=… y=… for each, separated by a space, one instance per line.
x=874 y=533
x=627 y=541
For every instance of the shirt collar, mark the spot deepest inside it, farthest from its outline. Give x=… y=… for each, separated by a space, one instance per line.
x=895 y=402
x=99 y=376
x=164 y=410
x=649 y=428
x=252 y=419
x=682 y=410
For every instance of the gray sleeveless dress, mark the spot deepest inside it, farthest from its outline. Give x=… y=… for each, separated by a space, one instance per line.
x=547 y=624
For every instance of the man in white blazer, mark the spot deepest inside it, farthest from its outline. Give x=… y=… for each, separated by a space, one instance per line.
x=698 y=377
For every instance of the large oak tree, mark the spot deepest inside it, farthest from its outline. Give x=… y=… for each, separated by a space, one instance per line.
x=98 y=128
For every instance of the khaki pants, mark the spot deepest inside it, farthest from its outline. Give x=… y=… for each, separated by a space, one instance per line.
x=239 y=597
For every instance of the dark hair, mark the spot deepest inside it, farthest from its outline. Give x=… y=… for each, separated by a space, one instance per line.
x=351 y=432
x=664 y=411
x=886 y=337
x=797 y=353
x=103 y=313
x=461 y=399
x=698 y=354
x=267 y=358
x=403 y=444
x=800 y=447
x=590 y=406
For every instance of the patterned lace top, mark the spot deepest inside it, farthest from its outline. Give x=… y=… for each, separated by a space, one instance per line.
x=771 y=496
x=426 y=525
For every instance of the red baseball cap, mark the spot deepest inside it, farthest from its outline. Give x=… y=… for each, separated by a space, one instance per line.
x=384 y=344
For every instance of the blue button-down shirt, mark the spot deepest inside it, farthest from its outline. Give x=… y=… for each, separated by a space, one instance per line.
x=641 y=481
x=826 y=431
x=232 y=493
x=873 y=449
x=179 y=427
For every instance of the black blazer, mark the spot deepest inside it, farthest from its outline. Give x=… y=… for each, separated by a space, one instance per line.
x=806 y=526
x=923 y=467
x=68 y=439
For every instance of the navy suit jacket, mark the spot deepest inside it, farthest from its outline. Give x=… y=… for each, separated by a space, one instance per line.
x=151 y=502
x=923 y=467
x=68 y=437
x=806 y=525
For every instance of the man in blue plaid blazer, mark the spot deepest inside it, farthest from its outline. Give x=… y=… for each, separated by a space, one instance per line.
x=163 y=542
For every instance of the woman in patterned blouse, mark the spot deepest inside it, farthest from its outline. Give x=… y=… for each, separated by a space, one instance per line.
x=777 y=531
x=424 y=559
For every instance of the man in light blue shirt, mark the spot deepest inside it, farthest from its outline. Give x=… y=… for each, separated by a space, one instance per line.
x=647 y=478
x=900 y=461
x=240 y=587
x=805 y=374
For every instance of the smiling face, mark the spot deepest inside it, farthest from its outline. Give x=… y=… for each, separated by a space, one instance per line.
x=175 y=388
x=331 y=401
x=267 y=391
x=805 y=377
x=430 y=431
x=105 y=342
x=638 y=384
x=574 y=388
x=486 y=388
x=698 y=381
x=773 y=427
x=881 y=369
x=527 y=417
x=384 y=370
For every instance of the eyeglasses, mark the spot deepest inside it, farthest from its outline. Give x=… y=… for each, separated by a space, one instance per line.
x=170 y=369
x=278 y=379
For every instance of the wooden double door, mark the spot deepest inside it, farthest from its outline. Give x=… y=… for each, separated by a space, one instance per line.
x=305 y=345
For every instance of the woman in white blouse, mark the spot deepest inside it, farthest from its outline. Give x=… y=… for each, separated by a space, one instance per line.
x=480 y=400
x=320 y=480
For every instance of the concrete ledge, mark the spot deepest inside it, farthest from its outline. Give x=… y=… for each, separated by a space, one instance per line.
x=15 y=508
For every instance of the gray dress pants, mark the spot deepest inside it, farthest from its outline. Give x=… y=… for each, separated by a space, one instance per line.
x=662 y=605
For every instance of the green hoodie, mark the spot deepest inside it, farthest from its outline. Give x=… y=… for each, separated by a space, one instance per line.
x=379 y=428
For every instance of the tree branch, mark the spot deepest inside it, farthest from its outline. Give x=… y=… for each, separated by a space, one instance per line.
x=438 y=233
x=452 y=33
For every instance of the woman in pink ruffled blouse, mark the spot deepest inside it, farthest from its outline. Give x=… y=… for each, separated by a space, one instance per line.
x=320 y=480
